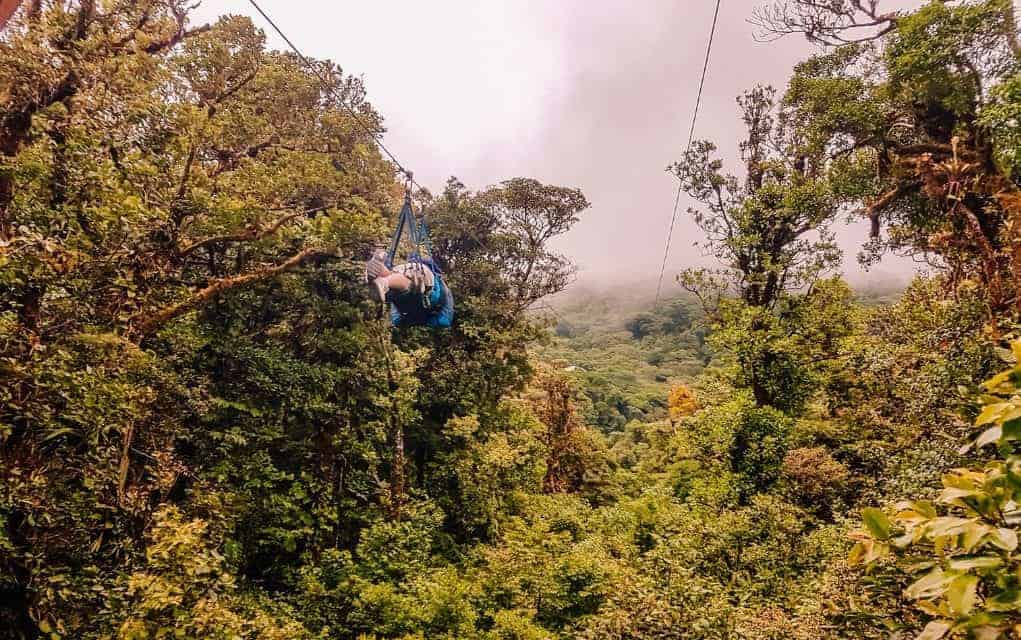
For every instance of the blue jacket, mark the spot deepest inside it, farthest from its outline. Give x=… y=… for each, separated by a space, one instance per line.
x=412 y=310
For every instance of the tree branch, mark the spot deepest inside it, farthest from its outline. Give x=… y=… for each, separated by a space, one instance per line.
x=251 y=234
x=829 y=23
x=876 y=207
x=145 y=324
x=228 y=161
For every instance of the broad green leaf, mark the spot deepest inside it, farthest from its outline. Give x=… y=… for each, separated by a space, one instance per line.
x=867 y=552
x=1003 y=538
x=989 y=436
x=915 y=511
x=949 y=526
x=974 y=535
x=991 y=413
x=932 y=585
x=1011 y=428
x=878 y=524
x=1004 y=601
x=904 y=541
x=951 y=494
x=975 y=562
x=962 y=594
x=916 y=567
x=997 y=380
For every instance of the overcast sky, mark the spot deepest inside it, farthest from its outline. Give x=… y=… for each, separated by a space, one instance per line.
x=595 y=94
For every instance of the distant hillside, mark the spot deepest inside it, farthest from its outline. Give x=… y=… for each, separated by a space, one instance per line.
x=628 y=350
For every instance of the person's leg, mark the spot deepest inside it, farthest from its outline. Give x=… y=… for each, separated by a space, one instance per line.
x=393 y=282
x=409 y=277
x=400 y=279
x=384 y=279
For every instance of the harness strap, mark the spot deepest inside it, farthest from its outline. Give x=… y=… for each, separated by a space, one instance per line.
x=418 y=233
x=407 y=218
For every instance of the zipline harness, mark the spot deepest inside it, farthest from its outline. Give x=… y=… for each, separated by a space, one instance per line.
x=437 y=305
x=418 y=233
x=429 y=301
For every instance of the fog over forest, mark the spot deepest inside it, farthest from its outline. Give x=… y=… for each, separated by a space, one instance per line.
x=225 y=413
x=597 y=96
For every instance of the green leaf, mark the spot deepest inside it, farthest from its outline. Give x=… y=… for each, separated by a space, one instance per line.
x=962 y=594
x=857 y=553
x=932 y=585
x=1004 y=601
x=1003 y=538
x=56 y=433
x=949 y=526
x=915 y=511
x=951 y=494
x=878 y=524
x=1012 y=429
x=974 y=535
x=989 y=436
x=975 y=562
x=991 y=412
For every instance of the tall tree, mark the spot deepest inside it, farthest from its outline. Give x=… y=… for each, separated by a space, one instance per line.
x=188 y=359
x=771 y=231
x=154 y=173
x=918 y=112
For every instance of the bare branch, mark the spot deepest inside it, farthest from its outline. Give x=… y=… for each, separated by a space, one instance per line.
x=828 y=23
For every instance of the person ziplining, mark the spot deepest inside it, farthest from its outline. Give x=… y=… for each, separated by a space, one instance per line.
x=415 y=290
x=417 y=294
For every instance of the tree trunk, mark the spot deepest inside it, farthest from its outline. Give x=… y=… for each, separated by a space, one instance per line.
x=397 y=471
x=559 y=428
x=125 y=465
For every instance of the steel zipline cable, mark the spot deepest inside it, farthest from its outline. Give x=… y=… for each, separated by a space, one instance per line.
x=374 y=134
x=691 y=136
x=377 y=138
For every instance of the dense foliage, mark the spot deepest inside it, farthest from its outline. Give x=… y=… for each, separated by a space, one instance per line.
x=207 y=430
x=624 y=350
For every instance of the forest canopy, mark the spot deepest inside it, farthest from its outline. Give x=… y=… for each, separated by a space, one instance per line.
x=209 y=429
